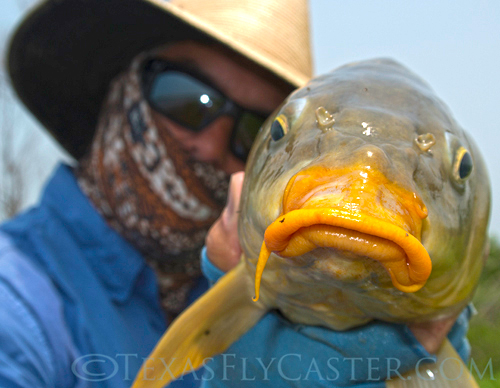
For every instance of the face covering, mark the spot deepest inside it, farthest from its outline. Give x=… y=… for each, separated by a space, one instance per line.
x=149 y=190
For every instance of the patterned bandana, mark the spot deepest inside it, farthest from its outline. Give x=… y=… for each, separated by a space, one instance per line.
x=149 y=190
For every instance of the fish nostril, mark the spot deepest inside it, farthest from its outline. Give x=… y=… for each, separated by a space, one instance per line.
x=425 y=141
x=324 y=118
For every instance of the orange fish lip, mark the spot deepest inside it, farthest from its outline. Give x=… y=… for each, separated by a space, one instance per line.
x=354 y=208
x=302 y=230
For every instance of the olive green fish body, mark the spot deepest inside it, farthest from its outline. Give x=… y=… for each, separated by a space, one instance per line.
x=363 y=199
x=383 y=117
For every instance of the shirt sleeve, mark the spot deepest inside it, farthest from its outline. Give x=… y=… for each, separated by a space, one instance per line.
x=210 y=271
x=36 y=349
x=25 y=359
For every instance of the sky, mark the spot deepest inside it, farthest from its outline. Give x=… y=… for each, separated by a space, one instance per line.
x=452 y=44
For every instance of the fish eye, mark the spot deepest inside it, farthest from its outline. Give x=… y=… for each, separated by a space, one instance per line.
x=463 y=164
x=279 y=127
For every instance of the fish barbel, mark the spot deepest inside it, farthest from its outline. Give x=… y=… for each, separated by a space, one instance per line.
x=363 y=199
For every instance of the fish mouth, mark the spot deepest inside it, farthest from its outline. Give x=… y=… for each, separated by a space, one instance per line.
x=389 y=240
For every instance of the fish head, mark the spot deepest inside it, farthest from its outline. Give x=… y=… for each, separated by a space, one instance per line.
x=370 y=201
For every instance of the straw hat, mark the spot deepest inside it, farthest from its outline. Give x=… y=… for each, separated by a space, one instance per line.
x=65 y=53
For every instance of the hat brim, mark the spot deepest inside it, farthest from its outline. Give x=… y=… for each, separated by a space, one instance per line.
x=64 y=55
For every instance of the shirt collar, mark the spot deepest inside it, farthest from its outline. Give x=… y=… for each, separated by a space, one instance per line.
x=116 y=263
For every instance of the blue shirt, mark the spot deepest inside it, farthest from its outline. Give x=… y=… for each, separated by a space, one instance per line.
x=79 y=307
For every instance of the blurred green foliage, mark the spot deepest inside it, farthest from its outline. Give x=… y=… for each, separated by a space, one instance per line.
x=484 y=332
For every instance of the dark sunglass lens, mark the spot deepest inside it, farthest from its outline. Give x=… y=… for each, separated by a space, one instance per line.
x=184 y=99
x=245 y=133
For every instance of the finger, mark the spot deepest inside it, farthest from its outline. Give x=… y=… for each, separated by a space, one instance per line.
x=233 y=201
x=223 y=246
x=432 y=334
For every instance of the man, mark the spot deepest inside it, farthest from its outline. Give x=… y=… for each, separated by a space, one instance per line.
x=159 y=103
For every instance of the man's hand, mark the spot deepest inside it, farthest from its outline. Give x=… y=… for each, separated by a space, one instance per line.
x=223 y=246
x=432 y=334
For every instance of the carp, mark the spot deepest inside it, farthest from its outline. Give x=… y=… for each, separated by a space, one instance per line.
x=363 y=200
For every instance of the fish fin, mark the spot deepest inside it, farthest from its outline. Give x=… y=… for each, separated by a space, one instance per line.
x=208 y=327
x=449 y=371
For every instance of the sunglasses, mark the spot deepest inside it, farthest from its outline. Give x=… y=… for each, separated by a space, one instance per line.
x=191 y=100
